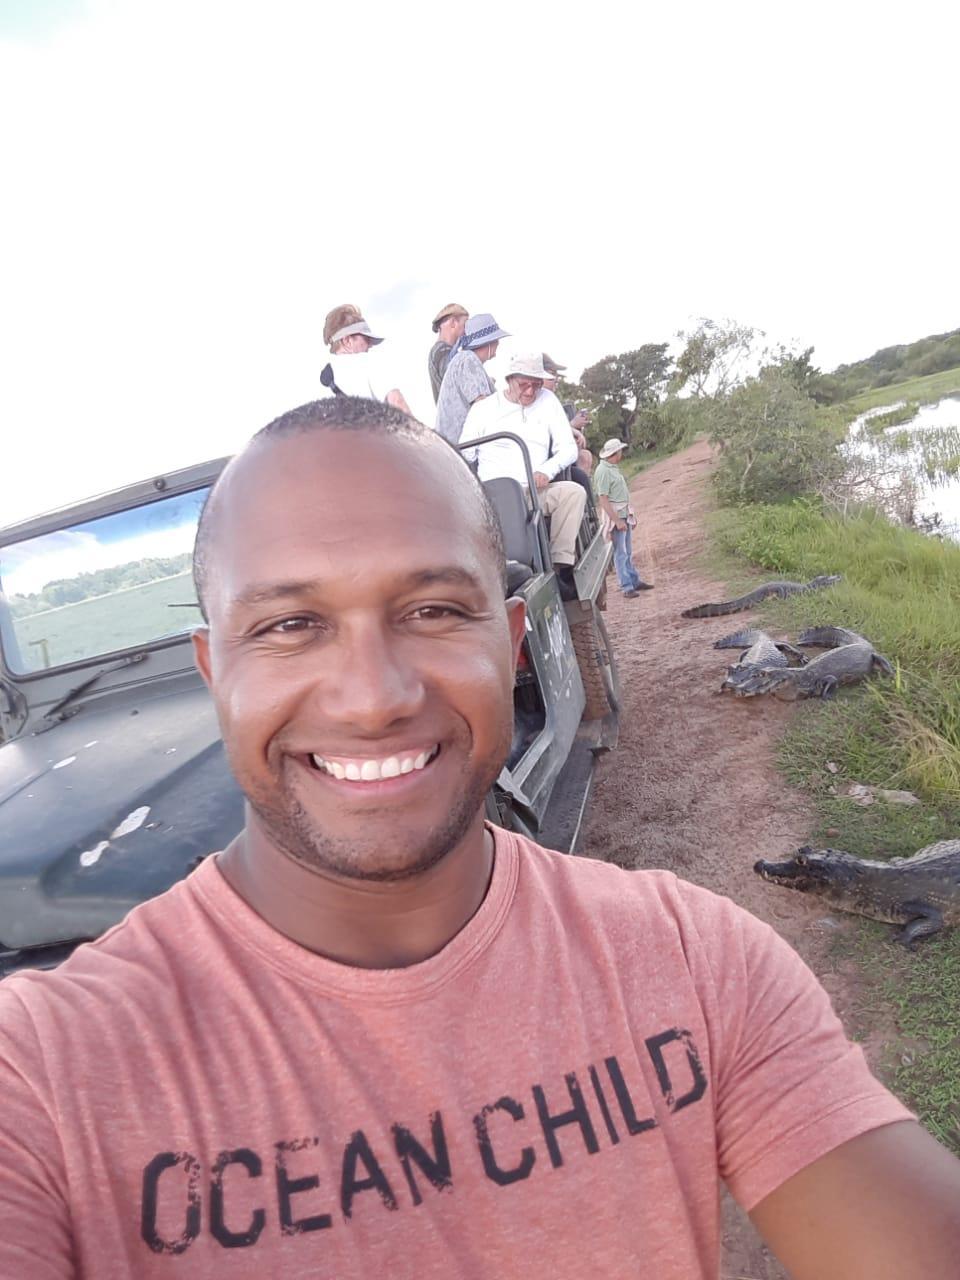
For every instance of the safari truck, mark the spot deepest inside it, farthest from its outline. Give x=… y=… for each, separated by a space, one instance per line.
x=114 y=783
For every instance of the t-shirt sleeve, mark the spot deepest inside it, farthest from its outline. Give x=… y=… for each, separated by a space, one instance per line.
x=472 y=380
x=602 y=480
x=790 y=1086
x=35 y=1241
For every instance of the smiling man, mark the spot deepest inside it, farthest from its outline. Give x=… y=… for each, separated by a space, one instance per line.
x=375 y=1036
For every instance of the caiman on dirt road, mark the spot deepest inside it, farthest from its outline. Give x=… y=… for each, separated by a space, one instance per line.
x=820 y=678
x=921 y=892
x=760 y=652
x=764 y=592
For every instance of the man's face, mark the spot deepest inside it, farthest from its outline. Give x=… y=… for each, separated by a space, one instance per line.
x=523 y=389
x=360 y=652
x=550 y=384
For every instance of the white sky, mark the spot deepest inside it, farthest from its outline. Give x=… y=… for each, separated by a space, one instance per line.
x=189 y=186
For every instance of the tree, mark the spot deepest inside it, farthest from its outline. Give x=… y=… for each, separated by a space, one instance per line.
x=712 y=357
x=774 y=441
x=627 y=383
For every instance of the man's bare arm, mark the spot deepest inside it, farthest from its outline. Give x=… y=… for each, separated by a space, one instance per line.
x=885 y=1205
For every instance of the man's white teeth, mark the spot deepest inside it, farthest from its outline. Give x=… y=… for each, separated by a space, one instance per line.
x=374 y=770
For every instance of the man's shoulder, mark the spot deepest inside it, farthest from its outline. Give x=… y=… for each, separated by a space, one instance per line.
x=645 y=901
x=144 y=948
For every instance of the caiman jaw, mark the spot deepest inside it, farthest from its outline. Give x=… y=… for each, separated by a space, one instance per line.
x=787 y=874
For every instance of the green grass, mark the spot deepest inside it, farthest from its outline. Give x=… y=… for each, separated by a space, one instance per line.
x=125 y=618
x=919 y=390
x=901 y=590
x=892 y=418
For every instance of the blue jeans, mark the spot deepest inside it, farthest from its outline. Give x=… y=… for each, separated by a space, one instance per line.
x=627 y=575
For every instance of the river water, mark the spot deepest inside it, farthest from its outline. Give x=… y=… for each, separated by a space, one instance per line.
x=941 y=499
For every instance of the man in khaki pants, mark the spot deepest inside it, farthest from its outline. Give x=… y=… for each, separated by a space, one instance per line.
x=529 y=411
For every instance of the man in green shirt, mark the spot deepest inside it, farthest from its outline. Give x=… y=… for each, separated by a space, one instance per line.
x=613 y=498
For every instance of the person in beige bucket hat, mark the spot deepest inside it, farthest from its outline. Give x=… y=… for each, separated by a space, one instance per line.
x=618 y=518
x=448 y=325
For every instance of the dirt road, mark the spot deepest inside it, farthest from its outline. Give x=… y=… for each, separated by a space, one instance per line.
x=693 y=786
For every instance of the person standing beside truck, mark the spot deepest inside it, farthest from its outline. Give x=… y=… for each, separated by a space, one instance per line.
x=267 y=1071
x=619 y=518
x=353 y=368
x=448 y=325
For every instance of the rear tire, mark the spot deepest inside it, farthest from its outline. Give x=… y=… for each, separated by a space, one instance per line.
x=598 y=666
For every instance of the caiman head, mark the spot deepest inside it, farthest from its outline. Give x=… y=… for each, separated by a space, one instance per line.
x=825 y=580
x=756 y=680
x=827 y=873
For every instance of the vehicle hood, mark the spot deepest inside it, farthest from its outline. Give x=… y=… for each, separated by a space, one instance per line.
x=109 y=808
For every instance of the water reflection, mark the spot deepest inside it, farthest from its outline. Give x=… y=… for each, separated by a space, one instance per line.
x=938 y=501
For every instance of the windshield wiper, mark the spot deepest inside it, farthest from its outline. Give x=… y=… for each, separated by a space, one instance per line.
x=57 y=713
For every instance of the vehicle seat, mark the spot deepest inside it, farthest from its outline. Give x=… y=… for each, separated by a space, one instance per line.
x=517 y=575
x=516 y=519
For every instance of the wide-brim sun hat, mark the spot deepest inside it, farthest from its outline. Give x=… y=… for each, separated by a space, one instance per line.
x=481 y=329
x=527 y=364
x=450 y=310
x=612 y=446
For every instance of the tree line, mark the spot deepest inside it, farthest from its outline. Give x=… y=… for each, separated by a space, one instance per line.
x=772 y=414
x=99 y=582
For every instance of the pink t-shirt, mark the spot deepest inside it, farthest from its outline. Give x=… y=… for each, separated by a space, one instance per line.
x=555 y=1094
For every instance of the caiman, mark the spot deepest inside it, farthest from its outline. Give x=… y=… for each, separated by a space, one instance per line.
x=921 y=892
x=829 y=637
x=759 y=651
x=781 y=589
x=820 y=678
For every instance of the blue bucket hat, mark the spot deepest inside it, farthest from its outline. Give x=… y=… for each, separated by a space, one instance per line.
x=481 y=329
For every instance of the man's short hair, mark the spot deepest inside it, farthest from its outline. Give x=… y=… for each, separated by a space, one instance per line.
x=342 y=413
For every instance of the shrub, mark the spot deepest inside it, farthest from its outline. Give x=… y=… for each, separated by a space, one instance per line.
x=774 y=441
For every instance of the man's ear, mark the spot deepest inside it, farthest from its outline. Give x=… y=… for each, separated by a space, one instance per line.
x=517 y=622
x=201 y=652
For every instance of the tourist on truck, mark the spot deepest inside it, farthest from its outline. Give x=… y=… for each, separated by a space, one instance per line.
x=354 y=368
x=529 y=411
x=448 y=324
x=465 y=380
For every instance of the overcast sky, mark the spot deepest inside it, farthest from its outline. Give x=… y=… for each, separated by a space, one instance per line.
x=188 y=186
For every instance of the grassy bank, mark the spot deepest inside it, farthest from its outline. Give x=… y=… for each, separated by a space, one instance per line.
x=918 y=390
x=902 y=590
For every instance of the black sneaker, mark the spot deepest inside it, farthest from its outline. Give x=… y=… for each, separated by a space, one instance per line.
x=644 y=586
x=631 y=594
x=566 y=582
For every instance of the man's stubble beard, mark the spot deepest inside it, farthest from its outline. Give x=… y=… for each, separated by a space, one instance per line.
x=297 y=835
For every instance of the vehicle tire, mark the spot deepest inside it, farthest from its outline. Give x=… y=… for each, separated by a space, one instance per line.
x=598 y=666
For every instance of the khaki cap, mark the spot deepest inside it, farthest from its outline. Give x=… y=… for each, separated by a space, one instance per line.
x=451 y=309
x=552 y=367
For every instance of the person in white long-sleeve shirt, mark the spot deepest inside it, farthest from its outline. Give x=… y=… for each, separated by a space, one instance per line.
x=534 y=414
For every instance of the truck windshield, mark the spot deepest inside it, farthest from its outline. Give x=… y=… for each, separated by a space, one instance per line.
x=94 y=588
